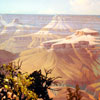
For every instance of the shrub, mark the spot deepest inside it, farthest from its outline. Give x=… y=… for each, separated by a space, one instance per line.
x=15 y=83
x=41 y=83
x=74 y=95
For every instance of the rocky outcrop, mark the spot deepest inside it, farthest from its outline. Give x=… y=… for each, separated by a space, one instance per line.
x=39 y=40
x=61 y=46
x=82 y=48
x=58 y=46
x=83 y=38
x=48 y=44
x=58 y=26
x=55 y=45
x=87 y=31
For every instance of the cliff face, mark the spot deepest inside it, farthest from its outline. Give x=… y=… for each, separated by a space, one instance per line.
x=59 y=26
x=81 y=50
x=74 y=58
x=82 y=47
x=39 y=38
x=24 y=42
x=84 y=38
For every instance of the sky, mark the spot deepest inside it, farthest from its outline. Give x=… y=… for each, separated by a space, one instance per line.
x=81 y=7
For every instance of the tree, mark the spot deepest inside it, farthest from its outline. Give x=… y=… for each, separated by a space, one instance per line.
x=41 y=83
x=16 y=85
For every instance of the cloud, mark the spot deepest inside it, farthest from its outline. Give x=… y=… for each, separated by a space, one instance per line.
x=85 y=6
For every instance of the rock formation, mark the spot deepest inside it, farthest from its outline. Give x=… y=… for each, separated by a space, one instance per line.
x=86 y=31
x=58 y=26
x=16 y=44
x=6 y=57
x=74 y=58
x=17 y=28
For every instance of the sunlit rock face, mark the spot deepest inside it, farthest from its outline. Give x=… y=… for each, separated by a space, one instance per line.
x=71 y=23
x=58 y=26
x=76 y=50
x=48 y=44
x=41 y=36
x=83 y=38
x=51 y=31
x=87 y=31
x=83 y=42
x=75 y=58
x=80 y=22
x=37 y=39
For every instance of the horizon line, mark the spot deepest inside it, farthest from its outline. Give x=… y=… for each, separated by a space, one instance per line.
x=47 y=14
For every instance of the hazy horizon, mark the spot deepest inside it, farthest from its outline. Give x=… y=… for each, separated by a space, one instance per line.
x=52 y=14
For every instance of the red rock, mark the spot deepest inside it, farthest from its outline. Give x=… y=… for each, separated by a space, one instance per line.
x=84 y=42
x=47 y=45
x=68 y=45
x=91 y=46
x=58 y=46
x=76 y=45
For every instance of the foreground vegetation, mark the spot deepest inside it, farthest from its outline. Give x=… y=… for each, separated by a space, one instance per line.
x=15 y=85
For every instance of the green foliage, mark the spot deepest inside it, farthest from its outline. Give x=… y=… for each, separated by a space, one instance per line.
x=16 y=83
x=74 y=95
